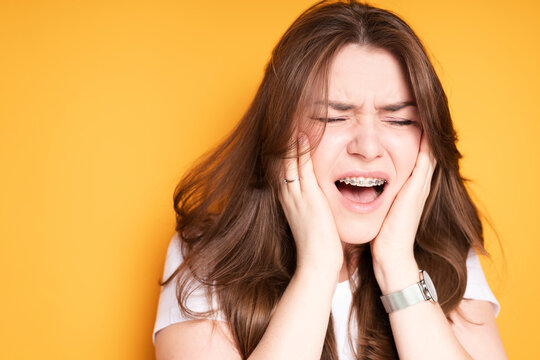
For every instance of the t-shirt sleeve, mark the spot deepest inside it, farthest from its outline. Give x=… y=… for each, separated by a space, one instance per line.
x=477 y=286
x=168 y=311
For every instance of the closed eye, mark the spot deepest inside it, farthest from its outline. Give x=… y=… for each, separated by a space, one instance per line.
x=400 y=122
x=335 y=119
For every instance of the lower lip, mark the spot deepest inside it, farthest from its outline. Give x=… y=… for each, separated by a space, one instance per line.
x=361 y=208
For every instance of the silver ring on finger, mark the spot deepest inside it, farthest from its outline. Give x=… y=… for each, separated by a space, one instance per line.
x=287 y=181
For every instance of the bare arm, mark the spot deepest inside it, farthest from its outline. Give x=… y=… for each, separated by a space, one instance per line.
x=296 y=331
x=422 y=331
x=298 y=325
x=196 y=339
x=479 y=336
x=206 y=340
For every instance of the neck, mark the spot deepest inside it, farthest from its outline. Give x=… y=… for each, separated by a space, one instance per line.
x=351 y=256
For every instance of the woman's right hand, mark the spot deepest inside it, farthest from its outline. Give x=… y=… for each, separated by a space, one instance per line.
x=308 y=213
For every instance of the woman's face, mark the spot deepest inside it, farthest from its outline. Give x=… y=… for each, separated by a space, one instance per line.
x=371 y=141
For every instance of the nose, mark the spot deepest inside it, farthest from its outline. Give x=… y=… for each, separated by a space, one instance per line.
x=365 y=140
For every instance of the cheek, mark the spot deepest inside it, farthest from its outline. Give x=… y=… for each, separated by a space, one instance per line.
x=326 y=154
x=317 y=142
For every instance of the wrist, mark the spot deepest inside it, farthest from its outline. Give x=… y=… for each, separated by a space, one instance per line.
x=324 y=264
x=396 y=275
x=319 y=272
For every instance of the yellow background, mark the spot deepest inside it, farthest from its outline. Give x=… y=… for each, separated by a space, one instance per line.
x=104 y=104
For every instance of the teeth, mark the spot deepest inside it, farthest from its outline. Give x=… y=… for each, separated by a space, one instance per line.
x=362 y=181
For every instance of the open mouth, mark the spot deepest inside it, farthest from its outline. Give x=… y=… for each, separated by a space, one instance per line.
x=361 y=190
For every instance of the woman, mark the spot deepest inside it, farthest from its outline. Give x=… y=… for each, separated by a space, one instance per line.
x=302 y=235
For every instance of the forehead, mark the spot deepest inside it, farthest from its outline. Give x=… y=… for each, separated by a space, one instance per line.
x=367 y=76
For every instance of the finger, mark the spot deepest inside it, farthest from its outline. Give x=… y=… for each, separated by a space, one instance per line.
x=423 y=159
x=425 y=148
x=420 y=179
x=426 y=162
x=432 y=160
x=291 y=178
x=305 y=166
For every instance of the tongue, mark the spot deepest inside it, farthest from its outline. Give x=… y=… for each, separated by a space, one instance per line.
x=358 y=194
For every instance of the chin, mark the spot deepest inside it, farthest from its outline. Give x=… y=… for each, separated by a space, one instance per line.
x=357 y=240
x=358 y=233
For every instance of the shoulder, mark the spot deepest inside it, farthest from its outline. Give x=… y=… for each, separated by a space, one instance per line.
x=474 y=325
x=198 y=300
x=196 y=339
x=473 y=321
x=477 y=286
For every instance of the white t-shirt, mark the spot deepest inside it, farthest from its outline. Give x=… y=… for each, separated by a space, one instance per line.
x=169 y=312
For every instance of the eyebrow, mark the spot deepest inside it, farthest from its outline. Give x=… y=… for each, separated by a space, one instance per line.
x=341 y=106
x=397 y=106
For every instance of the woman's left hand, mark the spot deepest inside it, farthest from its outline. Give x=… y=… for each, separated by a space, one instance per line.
x=392 y=249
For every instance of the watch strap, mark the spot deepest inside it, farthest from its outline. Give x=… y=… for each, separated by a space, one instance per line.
x=421 y=291
x=411 y=295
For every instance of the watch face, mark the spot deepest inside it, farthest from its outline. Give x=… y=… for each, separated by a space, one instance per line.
x=430 y=287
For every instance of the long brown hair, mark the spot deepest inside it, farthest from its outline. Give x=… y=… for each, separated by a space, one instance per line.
x=235 y=238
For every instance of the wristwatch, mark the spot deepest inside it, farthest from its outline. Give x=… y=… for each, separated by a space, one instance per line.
x=423 y=290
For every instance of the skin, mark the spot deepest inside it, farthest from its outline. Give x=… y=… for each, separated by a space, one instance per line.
x=370 y=136
x=364 y=139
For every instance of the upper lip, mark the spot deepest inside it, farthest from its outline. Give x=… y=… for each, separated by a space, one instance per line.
x=364 y=174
